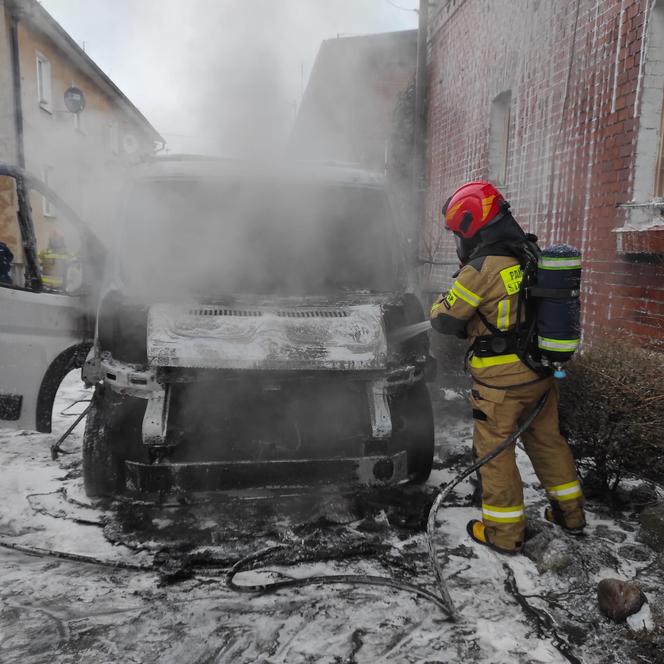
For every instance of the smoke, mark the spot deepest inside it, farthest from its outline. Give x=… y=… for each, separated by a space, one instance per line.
x=260 y=231
x=216 y=77
x=219 y=76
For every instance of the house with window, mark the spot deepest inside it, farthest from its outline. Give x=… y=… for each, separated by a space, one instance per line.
x=80 y=155
x=561 y=105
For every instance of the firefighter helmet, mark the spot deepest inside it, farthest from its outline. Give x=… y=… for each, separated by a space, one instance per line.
x=472 y=207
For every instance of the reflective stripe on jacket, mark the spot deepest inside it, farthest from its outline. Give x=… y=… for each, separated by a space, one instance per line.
x=490 y=285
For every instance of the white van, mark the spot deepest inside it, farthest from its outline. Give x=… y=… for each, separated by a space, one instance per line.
x=45 y=330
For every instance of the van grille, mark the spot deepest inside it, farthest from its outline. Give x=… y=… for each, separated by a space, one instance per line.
x=246 y=313
x=312 y=314
x=253 y=313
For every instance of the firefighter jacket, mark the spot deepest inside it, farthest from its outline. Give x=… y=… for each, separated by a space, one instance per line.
x=488 y=285
x=54 y=268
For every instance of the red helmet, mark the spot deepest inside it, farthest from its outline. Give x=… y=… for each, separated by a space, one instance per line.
x=472 y=207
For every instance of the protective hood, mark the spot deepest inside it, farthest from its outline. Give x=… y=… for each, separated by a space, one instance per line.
x=505 y=230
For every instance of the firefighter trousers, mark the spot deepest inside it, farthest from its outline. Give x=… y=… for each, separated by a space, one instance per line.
x=497 y=413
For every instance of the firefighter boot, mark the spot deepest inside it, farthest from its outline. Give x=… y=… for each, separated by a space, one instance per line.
x=553 y=514
x=478 y=533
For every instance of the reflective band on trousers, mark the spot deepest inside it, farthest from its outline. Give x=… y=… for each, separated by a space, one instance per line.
x=52 y=281
x=503 y=319
x=503 y=514
x=560 y=345
x=466 y=295
x=568 y=491
x=565 y=263
x=484 y=362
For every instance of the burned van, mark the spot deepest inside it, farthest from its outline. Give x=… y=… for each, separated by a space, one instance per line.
x=244 y=334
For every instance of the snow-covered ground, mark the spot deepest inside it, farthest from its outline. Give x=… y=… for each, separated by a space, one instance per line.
x=58 y=610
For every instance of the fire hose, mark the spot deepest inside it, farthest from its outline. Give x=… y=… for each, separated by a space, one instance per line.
x=444 y=600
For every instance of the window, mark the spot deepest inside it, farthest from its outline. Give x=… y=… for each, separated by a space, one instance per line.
x=47 y=208
x=44 y=90
x=659 y=185
x=113 y=134
x=499 y=136
x=649 y=163
x=641 y=233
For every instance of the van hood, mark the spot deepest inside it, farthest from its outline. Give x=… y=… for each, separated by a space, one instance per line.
x=287 y=334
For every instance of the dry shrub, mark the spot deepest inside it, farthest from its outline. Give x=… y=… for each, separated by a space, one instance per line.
x=612 y=411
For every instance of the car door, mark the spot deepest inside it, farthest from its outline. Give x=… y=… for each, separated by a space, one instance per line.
x=46 y=316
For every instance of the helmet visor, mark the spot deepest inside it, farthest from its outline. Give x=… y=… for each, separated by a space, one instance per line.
x=465 y=247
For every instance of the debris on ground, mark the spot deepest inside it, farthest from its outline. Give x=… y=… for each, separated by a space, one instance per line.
x=146 y=578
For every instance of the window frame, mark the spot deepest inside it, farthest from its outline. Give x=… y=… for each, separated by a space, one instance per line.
x=500 y=119
x=44 y=82
x=659 y=171
x=48 y=210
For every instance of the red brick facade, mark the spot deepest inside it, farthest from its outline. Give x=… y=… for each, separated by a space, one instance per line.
x=575 y=72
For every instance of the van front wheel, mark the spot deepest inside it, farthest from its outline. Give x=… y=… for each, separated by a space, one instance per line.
x=112 y=436
x=412 y=423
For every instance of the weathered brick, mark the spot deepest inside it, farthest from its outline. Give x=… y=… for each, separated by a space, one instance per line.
x=578 y=131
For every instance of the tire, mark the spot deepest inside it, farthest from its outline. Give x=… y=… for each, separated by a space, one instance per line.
x=412 y=421
x=112 y=436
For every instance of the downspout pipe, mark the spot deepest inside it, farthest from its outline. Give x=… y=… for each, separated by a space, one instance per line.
x=16 y=85
x=418 y=184
x=33 y=275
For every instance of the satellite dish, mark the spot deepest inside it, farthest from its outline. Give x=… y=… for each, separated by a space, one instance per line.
x=74 y=99
x=129 y=143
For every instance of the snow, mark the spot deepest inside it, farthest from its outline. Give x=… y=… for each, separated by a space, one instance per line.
x=642 y=619
x=56 y=610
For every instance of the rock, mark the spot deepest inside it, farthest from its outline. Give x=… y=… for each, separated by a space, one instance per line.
x=643 y=495
x=618 y=599
x=556 y=557
x=652 y=526
x=635 y=552
x=641 y=620
x=549 y=552
x=609 y=533
x=379 y=523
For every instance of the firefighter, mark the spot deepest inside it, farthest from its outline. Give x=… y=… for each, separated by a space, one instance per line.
x=55 y=261
x=483 y=305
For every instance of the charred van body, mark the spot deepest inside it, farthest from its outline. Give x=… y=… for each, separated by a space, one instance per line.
x=243 y=337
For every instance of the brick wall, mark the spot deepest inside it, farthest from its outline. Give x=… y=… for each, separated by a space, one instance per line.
x=574 y=69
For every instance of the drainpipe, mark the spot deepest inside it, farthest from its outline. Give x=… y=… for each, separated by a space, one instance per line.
x=16 y=85
x=418 y=180
x=33 y=276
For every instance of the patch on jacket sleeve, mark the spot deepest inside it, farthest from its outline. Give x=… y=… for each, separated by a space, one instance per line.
x=450 y=299
x=512 y=277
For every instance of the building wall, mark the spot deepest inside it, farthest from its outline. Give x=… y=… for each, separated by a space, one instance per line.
x=86 y=158
x=84 y=162
x=347 y=110
x=575 y=70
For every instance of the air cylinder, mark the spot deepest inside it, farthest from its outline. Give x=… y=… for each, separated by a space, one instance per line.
x=558 y=306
